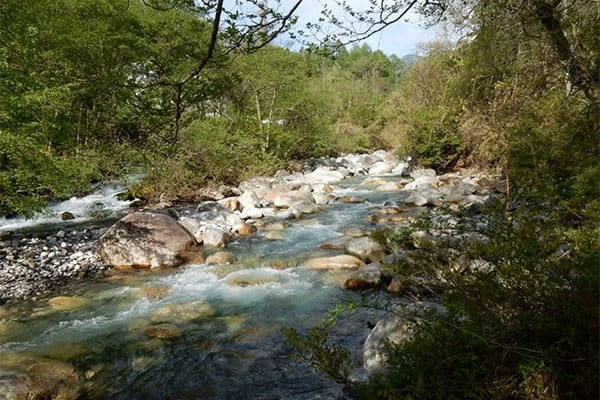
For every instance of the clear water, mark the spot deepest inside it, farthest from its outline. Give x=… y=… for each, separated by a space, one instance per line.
x=236 y=353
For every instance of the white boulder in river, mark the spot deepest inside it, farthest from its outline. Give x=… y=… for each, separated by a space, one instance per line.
x=392 y=331
x=147 y=240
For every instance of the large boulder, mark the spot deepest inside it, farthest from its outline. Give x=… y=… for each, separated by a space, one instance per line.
x=364 y=278
x=324 y=175
x=286 y=200
x=147 y=240
x=249 y=200
x=215 y=236
x=388 y=331
x=381 y=167
x=365 y=248
x=422 y=182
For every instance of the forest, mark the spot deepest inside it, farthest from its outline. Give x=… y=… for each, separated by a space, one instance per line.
x=92 y=90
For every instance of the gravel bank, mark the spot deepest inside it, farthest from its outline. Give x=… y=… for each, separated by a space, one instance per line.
x=30 y=267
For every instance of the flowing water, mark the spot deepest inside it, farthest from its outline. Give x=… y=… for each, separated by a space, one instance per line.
x=127 y=347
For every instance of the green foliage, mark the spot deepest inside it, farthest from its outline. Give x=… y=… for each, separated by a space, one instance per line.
x=329 y=358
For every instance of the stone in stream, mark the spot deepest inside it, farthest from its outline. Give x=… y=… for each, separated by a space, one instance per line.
x=147 y=240
x=335 y=243
x=274 y=235
x=389 y=331
x=221 y=258
x=182 y=312
x=54 y=380
x=336 y=262
x=381 y=167
x=354 y=232
x=244 y=229
x=288 y=199
x=373 y=181
x=249 y=199
x=67 y=216
x=214 y=236
x=365 y=248
x=67 y=303
x=364 y=278
x=388 y=187
x=255 y=277
x=351 y=199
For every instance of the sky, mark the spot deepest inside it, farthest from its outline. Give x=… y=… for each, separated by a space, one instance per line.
x=400 y=39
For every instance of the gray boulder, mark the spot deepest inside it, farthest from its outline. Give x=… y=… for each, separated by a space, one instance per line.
x=147 y=240
x=365 y=248
x=389 y=331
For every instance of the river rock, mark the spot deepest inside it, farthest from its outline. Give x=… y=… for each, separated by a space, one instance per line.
x=231 y=204
x=336 y=262
x=67 y=303
x=274 y=235
x=14 y=385
x=67 y=216
x=422 y=182
x=252 y=213
x=182 y=312
x=249 y=199
x=288 y=199
x=418 y=173
x=54 y=380
x=381 y=167
x=400 y=169
x=373 y=181
x=147 y=240
x=388 y=187
x=214 y=236
x=275 y=226
x=324 y=175
x=221 y=258
x=255 y=277
x=351 y=199
x=417 y=199
x=244 y=229
x=354 y=232
x=365 y=248
x=305 y=207
x=364 y=278
x=335 y=243
x=389 y=331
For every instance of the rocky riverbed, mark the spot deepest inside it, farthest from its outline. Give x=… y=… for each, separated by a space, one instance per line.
x=277 y=251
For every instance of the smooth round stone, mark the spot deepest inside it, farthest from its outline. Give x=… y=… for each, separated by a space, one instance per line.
x=354 y=232
x=67 y=303
x=374 y=181
x=274 y=235
x=244 y=229
x=335 y=243
x=275 y=226
x=221 y=258
x=336 y=262
x=388 y=187
x=252 y=278
x=351 y=200
x=182 y=312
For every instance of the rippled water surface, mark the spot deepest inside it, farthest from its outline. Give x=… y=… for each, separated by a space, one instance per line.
x=202 y=332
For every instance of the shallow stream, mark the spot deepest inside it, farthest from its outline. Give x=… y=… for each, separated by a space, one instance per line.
x=202 y=332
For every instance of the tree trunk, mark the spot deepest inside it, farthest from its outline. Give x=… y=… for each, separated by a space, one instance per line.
x=546 y=13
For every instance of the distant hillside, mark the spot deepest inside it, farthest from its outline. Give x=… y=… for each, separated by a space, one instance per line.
x=410 y=59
